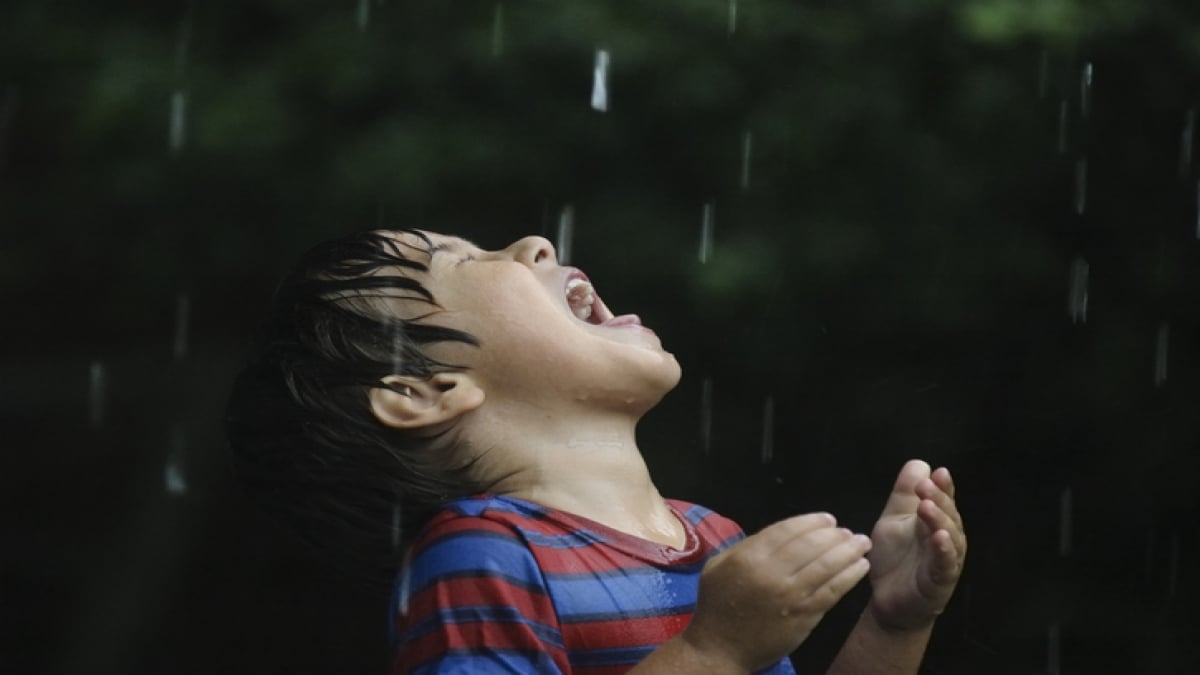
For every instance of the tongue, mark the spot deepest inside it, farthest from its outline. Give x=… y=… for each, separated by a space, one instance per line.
x=623 y=320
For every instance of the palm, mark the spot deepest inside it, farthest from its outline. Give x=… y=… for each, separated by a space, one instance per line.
x=918 y=548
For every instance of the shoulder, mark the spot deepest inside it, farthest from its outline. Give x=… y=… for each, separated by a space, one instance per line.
x=478 y=535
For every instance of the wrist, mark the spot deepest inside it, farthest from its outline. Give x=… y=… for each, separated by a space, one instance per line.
x=709 y=655
x=894 y=622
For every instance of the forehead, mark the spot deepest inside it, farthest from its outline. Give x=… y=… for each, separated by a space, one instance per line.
x=428 y=243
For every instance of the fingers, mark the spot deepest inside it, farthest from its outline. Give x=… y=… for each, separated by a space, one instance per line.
x=780 y=534
x=942 y=479
x=814 y=546
x=939 y=512
x=824 y=580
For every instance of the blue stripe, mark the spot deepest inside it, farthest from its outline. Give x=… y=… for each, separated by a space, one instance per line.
x=489 y=662
x=477 y=552
x=696 y=514
x=576 y=539
x=483 y=614
x=649 y=592
x=616 y=656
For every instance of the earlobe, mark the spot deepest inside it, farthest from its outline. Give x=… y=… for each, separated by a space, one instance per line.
x=413 y=404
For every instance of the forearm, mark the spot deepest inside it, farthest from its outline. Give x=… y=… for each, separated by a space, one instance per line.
x=680 y=656
x=872 y=649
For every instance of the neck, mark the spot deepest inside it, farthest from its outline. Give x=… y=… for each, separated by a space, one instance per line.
x=584 y=463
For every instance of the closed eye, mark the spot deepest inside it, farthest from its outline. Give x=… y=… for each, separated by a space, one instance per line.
x=466 y=258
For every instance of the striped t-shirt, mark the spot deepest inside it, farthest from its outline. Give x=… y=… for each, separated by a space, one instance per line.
x=500 y=585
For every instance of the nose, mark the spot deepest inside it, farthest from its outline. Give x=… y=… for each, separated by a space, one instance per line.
x=533 y=251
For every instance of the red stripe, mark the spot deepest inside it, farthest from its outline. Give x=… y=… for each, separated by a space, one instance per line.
x=620 y=633
x=474 y=591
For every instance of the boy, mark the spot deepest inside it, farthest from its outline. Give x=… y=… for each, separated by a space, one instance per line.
x=497 y=387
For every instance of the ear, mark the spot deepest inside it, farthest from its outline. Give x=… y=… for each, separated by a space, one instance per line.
x=414 y=404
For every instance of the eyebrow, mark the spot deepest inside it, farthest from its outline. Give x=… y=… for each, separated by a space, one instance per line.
x=453 y=245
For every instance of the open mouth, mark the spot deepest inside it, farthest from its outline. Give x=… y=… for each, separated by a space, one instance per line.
x=585 y=304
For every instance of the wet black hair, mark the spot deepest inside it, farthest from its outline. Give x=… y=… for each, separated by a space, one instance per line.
x=299 y=422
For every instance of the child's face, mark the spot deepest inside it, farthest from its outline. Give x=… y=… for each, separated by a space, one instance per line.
x=542 y=330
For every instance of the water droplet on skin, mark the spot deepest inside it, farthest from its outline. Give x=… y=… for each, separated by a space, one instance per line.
x=96 y=393
x=498 y=30
x=706 y=406
x=1160 y=353
x=183 y=310
x=747 y=146
x=768 y=431
x=706 y=232
x=1077 y=292
x=1065 y=509
x=177 y=133
x=600 y=81
x=566 y=231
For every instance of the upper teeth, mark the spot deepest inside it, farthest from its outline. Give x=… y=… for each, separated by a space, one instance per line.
x=580 y=297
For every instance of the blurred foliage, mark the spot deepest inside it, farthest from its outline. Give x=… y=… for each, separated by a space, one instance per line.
x=893 y=187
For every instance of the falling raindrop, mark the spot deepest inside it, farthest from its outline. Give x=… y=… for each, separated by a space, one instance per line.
x=706 y=232
x=1053 y=647
x=1160 y=353
x=1077 y=292
x=397 y=525
x=1064 y=522
x=768 y=433
x=498 y=30
x=8 y=111
x=1063 y=116
x=1187 y=142
x=1173 y=567
x=183 y=310
x=177 y=134
x=96 y=393
x=706 y=414
x=1044 y=74
x=173 y=476
x=1081 y=169
x=397 y=330
x=1198 y=209
x=600 y=81
x=1085 y=90
x=363 y=14
x=1149 y=556
x=733 y=11
x=566 y=231
x=747 y=142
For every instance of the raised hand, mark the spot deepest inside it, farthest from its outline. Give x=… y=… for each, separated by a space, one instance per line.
x=762 y=597
x=918 y=549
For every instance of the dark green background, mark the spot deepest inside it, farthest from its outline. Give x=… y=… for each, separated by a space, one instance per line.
x=895 y=278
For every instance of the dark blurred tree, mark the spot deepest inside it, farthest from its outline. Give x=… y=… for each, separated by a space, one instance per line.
x=903 y=198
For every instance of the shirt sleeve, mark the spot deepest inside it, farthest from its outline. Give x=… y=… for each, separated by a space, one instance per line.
x=471 y=599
